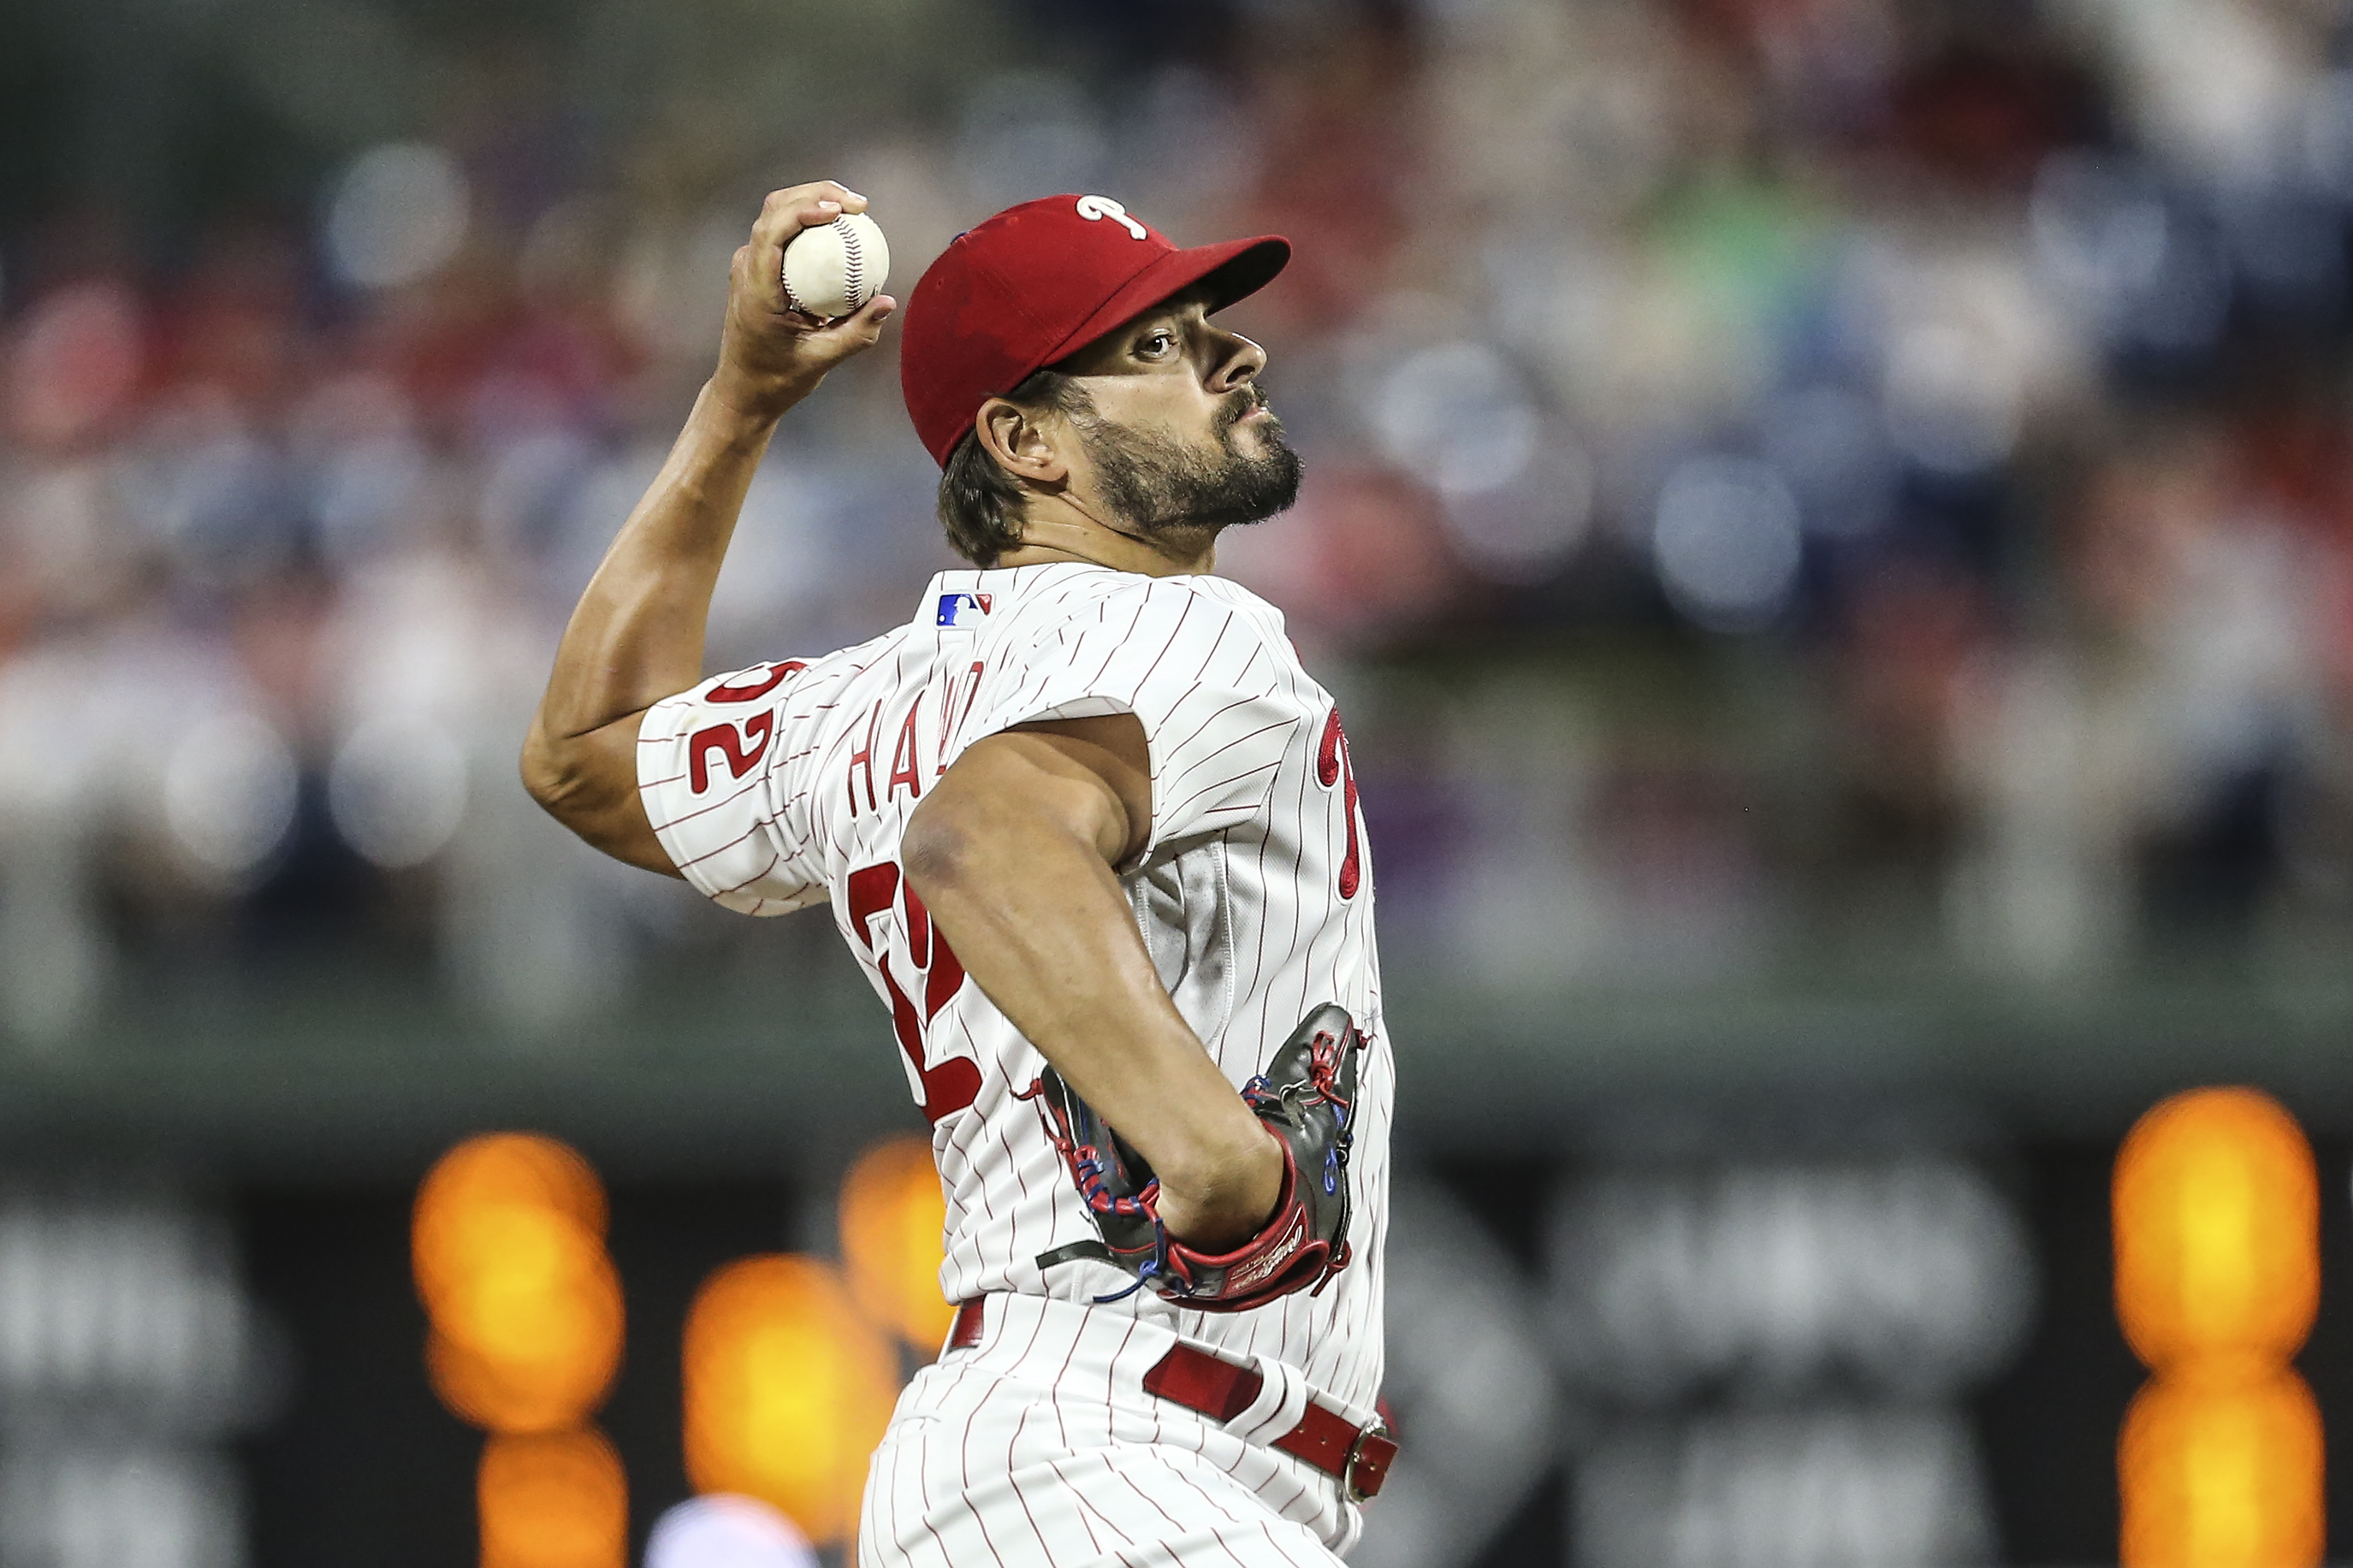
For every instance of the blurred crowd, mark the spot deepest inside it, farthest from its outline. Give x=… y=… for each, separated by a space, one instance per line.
x=1791 y=482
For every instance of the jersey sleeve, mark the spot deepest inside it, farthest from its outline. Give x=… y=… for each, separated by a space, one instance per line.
x=711 y=770
x=1212 y=686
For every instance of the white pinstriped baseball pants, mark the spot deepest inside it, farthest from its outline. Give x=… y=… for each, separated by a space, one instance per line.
x=1040 y=1446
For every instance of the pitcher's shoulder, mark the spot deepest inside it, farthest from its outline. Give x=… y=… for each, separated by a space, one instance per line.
x=876 y=654
x=1128 y=603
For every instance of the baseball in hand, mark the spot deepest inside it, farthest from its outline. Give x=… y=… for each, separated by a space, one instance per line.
x=834 y=268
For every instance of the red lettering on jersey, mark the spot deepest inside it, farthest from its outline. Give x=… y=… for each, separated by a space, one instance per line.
x=757 y=689
x=758 y=731
x=865 y=759
x=903 y=761
x=949 y=717
x=875 y=892
x=1331 y=767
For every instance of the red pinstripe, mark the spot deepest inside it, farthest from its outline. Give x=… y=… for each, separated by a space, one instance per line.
x=1202 y=760
x=694 y=860
x=966 y=1459
x=1061 y=1426
x=773 y=861
x=1174 y=633
x=717 y=805
x=1013 y=1478
x=923 y=1484
x=1184 y=801
x=1087 y=1511
x=1128 y=1480
x=1196 y=734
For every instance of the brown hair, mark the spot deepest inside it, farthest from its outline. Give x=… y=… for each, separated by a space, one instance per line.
x=980 y=503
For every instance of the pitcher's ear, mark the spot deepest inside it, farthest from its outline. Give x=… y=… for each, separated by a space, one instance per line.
x=1027 y=443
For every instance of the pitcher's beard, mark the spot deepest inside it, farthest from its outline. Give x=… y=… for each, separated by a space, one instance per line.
x=1158 y=485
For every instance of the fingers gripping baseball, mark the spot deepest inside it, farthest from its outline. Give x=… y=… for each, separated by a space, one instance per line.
x=771 y=356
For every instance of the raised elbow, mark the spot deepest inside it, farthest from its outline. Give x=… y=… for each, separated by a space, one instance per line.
x=559 y=776
x=545 y=778
x=589 y=784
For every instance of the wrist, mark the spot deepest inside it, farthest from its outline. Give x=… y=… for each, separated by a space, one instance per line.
x=751 y=401
x=1224 y=1198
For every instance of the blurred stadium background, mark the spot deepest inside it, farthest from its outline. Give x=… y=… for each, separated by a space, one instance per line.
x=1832 y=522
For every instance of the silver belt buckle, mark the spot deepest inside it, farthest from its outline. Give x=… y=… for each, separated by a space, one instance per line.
x=1375 y=1427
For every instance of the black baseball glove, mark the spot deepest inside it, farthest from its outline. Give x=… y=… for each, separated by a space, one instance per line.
x=1306 y=1097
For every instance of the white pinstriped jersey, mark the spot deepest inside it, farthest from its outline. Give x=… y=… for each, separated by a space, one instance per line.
x=792 y=782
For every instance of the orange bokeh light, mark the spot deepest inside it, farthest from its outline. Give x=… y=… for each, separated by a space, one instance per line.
x=2222 y=1473
x=557 y=1500
x=525 y=1306
x=2217 y=1216
x=520 y=1170
x=787 y=1389
x=893 y=1217
x=543 y=1394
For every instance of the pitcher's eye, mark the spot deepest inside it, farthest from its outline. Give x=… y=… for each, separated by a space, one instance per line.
x=1157 y=342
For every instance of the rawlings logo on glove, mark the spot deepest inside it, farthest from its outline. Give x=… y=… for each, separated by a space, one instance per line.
x=1306 y=1099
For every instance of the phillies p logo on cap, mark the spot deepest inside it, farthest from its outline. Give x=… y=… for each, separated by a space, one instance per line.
x=1037 y=283
x=1103 y=206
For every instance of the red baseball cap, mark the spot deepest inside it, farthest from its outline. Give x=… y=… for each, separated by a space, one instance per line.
x=1039 y=282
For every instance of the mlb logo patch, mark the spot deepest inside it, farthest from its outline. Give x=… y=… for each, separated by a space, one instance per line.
x=963 y=609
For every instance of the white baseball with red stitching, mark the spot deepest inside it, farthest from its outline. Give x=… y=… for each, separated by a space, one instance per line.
x=834 y=268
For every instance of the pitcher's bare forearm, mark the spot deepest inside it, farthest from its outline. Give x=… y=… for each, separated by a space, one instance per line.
x=637 y=634
x=1013 y=856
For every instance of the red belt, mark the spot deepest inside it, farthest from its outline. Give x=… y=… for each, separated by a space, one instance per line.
x=1358 y=1457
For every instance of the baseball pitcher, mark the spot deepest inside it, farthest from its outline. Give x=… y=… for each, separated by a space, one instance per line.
x=1092 y=833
